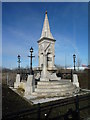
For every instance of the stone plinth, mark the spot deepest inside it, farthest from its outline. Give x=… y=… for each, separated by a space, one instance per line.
x=44 y=79
x=52 y=76
x=17 y=83
x=49 y=76
x=30 y=85
x=75 y=80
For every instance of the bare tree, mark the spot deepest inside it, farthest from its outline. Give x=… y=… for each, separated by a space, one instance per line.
x=79 y=61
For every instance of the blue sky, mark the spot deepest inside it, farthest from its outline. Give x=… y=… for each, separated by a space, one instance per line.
x=22 y=25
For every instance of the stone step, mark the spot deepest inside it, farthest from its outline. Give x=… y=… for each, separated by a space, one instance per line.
x=54 y=86
x=51 y=93
x=43 y=90
x=55 y=93
x=53 y=82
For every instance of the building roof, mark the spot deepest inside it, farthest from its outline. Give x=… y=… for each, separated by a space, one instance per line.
x=46 y=33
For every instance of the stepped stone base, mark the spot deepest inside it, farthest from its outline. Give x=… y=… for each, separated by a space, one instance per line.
x=55 y=88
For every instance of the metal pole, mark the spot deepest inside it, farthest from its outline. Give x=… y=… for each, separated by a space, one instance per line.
x=31 y=56
x=39 y=111
x=19 y=64
x=71 y=76
x=77 y=108
x=31 y=65
x=74 y=56
x=74 y=63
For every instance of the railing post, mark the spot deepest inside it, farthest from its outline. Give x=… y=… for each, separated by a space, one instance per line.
x=39 y=111
x=77 y=108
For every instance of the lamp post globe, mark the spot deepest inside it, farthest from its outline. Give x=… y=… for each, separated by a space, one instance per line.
x=18 y=56
x=31 y=49
x=74 y=56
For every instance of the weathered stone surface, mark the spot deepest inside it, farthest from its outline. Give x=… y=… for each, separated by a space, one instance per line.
x=46 y=29
x=61 y=82
x=75 y=80
x=22 y=85
x=49 y=76
x=44 y=79
x=30 y=85
x=46 y=44
x=52 y=76
x=17 y=83
x=55 y=88
x=47 y=53
x=37 y=76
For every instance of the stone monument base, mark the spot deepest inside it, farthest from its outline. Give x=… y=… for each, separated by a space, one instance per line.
x=55 y=88
x=44 y=79
x=49 y=76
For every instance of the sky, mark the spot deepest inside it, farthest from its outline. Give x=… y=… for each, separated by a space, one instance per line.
x=22 y=25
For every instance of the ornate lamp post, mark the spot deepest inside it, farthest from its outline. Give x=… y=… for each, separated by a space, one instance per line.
x=31 y=56
x=74 y=56
x=19 y=63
